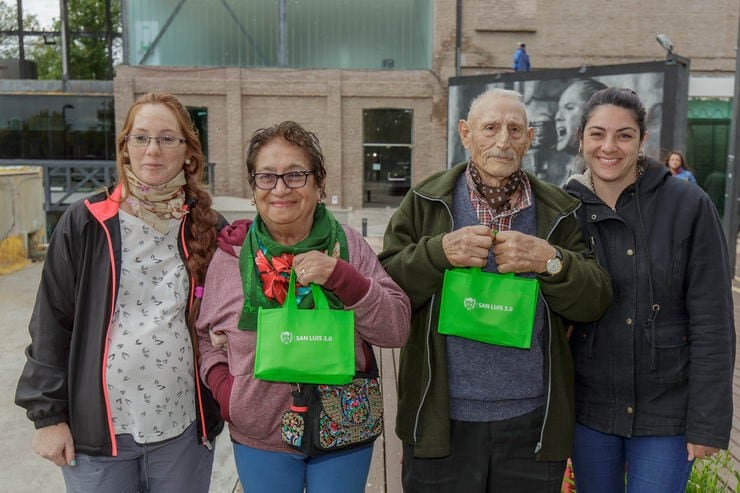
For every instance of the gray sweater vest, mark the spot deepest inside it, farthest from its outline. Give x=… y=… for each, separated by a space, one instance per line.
x=487 y=382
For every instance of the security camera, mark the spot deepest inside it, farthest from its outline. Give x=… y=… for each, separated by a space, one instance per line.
x=665 y=42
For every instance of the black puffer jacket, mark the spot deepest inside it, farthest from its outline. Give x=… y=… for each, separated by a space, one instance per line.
x=660 y=361
x=62 y=380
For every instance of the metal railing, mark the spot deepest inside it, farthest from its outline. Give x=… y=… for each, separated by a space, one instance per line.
x=68 y=180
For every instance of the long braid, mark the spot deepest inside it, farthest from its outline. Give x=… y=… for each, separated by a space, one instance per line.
x=201 y=241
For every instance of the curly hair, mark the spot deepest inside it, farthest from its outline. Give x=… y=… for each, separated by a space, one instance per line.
x=201 y=240
x=298 y=136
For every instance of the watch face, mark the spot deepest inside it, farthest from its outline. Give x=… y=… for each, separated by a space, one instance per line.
x=553 y=266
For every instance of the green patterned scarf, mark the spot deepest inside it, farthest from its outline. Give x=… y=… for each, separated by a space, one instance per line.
x=265 y=264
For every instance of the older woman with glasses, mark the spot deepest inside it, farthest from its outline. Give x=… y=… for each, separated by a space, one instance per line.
x=251 y=268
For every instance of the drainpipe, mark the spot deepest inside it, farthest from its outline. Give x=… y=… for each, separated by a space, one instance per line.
x=458 y=38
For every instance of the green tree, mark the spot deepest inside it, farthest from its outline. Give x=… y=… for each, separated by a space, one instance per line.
x=88 y=56
x=9 y=22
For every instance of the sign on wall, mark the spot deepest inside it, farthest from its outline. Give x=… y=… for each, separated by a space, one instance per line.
x=554 y=99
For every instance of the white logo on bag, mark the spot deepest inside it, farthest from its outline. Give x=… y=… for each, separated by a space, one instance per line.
x=286 y=337
x=472 y=303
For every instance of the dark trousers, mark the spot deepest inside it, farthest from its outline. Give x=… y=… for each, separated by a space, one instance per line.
x=487 y=457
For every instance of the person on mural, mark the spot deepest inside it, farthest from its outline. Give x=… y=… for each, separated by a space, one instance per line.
x=475 y=416
x=654 y=375
x=566 y=122
x=521 y=59
x=676 y=164
x=111 y=378
x=544 y=159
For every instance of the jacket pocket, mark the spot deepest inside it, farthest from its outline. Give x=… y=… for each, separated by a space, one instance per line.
x=667 y=351
x=582 y=341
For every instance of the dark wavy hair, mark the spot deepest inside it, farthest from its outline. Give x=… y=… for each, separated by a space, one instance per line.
x=298 y=136
x=201 y=241
x=622 y=98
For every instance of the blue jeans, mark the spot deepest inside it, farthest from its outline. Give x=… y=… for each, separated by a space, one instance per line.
x=653 y=464
x=263 y=471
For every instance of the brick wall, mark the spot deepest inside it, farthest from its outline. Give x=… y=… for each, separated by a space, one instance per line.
x=558 y=33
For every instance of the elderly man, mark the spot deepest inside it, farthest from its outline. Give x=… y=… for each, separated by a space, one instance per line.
x=478 y=417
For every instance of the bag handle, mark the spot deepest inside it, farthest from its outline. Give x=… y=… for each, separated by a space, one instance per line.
x=477 y=270
x=319 y=298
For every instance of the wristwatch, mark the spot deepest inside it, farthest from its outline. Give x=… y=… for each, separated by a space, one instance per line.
x=555 y=264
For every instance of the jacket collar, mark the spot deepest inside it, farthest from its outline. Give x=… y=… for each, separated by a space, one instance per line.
x=104 y=207
x=655 y=174
x=440 y=186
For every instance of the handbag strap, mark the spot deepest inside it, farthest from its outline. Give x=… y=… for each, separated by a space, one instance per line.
x=371 y=368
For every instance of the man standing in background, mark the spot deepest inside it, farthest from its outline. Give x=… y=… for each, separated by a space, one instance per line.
x=521 y=59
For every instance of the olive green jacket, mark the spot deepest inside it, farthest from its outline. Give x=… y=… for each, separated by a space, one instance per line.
x=413 y=256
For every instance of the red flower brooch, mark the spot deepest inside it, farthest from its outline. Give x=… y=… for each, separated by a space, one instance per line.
x=275 y=275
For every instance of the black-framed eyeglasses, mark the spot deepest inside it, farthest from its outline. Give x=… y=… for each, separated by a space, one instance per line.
x=292 y=179
x=168 y=141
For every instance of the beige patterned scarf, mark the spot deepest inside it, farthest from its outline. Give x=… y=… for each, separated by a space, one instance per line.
x=156 y=205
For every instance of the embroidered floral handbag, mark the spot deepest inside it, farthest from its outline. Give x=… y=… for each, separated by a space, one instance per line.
x=329 y=418
x=493 y=308
x=307 y=346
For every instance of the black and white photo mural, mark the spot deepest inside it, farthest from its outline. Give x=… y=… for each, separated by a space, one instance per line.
x=554 y=100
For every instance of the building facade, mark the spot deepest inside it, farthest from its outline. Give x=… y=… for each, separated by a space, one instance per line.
x=370 y=78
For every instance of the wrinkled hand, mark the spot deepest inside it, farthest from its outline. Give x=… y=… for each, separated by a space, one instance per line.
x=313 y=267
x=55 y=444
x=518 y=252
x=700 y=451
x=468 y=246
x=218 y=339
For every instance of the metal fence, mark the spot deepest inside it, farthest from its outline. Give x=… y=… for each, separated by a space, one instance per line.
x=66 y=181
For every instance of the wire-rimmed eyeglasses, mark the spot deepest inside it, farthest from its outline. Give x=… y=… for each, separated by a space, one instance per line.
x=168 y=141
x=292 y=179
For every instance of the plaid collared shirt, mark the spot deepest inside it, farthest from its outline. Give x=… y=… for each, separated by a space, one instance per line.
x=503 y=220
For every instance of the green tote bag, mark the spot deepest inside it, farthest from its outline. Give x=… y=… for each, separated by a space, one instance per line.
x=305 y=346
x=487 y=307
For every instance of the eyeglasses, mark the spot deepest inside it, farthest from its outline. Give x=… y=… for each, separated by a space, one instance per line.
x=292 y=179
x=166 y=141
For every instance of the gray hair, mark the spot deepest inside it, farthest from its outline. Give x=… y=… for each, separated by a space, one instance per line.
x=498 y=93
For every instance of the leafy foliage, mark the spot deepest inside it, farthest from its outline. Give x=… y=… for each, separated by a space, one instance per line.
x=712 y=475
x=9 y=22
x=88 y=56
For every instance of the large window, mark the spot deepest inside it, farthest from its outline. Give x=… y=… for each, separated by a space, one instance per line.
x=346 y=34
x=387 y=156
x=56 y=127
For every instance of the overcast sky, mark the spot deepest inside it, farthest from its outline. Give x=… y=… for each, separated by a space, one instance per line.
x=43 y=9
